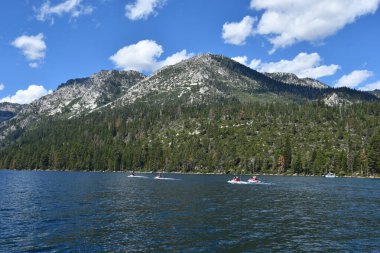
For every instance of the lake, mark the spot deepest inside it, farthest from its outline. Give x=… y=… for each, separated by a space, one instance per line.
x=75 y=211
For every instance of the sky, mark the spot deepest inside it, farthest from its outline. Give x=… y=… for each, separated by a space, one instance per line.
x=44 y=43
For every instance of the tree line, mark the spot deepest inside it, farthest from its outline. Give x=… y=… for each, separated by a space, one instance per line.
x=225 y=136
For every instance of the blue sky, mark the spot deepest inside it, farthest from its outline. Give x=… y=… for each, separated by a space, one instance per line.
x=45 y=43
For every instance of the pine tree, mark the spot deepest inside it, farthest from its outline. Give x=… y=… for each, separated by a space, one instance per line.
x=297 y=164
x=374 y=153
x=363 y=163
x=287 y=154
x=281 y=164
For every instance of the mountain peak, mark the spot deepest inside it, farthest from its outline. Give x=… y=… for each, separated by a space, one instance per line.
x=293 y=79
x=103 y=76
x=110 y=73
x=196 y=78
x=335 y=100
x=375 y=93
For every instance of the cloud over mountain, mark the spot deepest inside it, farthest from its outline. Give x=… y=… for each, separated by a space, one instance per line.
x=236 y=33
x=33 y=48
x=144 y=56
x=26 y=96
x=142 y=9
x=353 y=79
x=74 y=8
x=303 y=65
x=286 y=22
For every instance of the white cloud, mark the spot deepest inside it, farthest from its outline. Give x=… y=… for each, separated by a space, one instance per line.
x=33 y=48
x=143 y=56
x=72 y=7
x=173 y=59
x=140 y=56
x=237 y=33
x=27 y=96
x=2 y=86
x=33 y=65
x=289 y=21
x=303 y=65
x=371 y=86
x=353 y=79
x=244 y=60
x=241 y=59
x=141 y=9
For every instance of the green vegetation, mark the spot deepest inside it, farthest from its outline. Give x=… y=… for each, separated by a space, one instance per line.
x=226 y=136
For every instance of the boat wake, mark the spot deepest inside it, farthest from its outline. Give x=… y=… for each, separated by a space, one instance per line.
x=237 y=182
x=166 y=178
x=138 y=176
x=248 y=182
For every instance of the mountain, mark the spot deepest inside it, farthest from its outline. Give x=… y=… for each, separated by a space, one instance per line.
x=335 y=100
x=207 y=113
x=290 y=78
x=202 y=79
x=9 y=110
x=85 y=94
x=375 y=93
x=75 y=97
x=207 y=77
x=196 y=80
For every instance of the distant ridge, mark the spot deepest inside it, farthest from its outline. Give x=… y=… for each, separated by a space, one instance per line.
x=202 y=79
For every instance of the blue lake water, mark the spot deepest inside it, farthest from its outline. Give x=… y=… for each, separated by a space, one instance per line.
x=87 y=212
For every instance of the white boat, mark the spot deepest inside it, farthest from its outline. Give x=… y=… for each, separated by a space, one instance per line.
x=254 y=181
x=330 y=175
x=160 y=177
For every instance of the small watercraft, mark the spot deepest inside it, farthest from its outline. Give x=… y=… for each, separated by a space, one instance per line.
x=236 y=180
x=254 y=180
x=160 y=177
x=136 y=176
x=330 y=175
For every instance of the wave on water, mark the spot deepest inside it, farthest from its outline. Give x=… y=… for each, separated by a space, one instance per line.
x=166 y=178
x=132 y=176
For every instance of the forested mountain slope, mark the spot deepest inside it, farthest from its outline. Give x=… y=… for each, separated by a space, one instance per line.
x=208 y=113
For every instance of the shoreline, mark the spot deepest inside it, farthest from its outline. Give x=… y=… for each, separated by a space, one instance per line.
x=192 y=173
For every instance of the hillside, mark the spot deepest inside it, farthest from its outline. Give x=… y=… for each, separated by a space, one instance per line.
x=375 y=93
x=9 y=110
x=73 y=98
x=222 y=137
x=292 y=79
x=207 y=113
x=207 y=77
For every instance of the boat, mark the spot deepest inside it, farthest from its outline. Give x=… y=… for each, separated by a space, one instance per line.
x=136 y=176
x=236 y=180
x=160 y=177
x=254 y=180
x=330 y=175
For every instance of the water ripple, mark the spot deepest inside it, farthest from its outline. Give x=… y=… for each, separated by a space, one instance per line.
x=86 y=212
